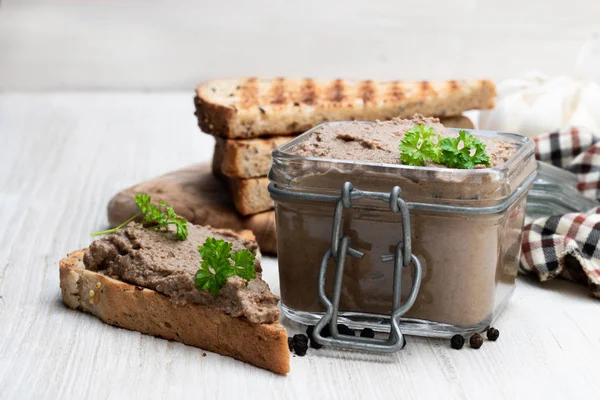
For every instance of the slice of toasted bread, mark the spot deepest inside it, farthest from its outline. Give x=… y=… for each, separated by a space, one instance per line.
x=251 y=158
x=147 y=311
x=250 y=196
x=246 y=158
x=252 y=107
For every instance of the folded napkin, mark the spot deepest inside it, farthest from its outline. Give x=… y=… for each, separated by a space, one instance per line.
x=568 y=245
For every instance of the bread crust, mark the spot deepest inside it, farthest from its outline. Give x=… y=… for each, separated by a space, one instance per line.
x=252 y=107
x=144 y=310
x=246 y=158
x=250 y=196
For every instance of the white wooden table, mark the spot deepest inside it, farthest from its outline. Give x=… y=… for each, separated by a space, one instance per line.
x=63 y=155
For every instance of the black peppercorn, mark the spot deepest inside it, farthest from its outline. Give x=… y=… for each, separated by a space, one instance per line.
x=457 y=342
x=300 y=348
x=300 y=338
x=300 y=342
x=344 y=330
x=326 y=331
x=493 y=334
x=368 y=333
x=476 y=341
x=309 y=332
x=290 y=343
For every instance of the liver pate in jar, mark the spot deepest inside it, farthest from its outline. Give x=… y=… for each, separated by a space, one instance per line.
x=465 y=225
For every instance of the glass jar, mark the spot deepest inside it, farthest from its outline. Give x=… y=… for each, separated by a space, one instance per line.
x=464 y=228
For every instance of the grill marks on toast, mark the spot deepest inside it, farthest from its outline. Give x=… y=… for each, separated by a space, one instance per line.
x=277 y=93
x=453 y=86
x=335 y=93
x=395 y=92
x=249 y=93
x=425 y=89
x=367 y=92
x=280 y=92
x=308 y=92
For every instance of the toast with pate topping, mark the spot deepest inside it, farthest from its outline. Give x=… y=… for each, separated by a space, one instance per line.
x=143 y=280
x=253 y=107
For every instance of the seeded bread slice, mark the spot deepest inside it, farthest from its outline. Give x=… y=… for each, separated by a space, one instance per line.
x=144 y=310
x=247 y=158
x=252 y=107
x=251 y=158
x=250 y=196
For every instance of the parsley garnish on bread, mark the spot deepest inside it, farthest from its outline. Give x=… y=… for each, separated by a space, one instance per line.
x=154 y=218
x=216 y=265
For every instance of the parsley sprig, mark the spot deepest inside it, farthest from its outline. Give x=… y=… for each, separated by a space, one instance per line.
x=154 y=218
x=218 y=264
x=471 y=154
x=464 y=152
x=417 y=146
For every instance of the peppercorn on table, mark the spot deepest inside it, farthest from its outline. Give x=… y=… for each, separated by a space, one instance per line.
x=63 y=156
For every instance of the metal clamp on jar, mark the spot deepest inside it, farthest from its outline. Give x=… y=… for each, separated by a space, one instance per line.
x=340 y=248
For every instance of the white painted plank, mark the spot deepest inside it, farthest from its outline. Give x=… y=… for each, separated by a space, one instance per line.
x=62 y=156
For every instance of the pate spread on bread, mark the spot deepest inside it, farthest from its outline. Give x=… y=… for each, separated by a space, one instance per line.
x=153 y=260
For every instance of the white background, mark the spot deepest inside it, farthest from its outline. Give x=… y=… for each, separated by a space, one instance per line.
x=161 y=44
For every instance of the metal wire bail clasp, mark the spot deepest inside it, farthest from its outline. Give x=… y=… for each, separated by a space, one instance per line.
x=340 y=248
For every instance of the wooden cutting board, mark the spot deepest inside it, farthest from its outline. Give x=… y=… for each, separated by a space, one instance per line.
x=198 y=196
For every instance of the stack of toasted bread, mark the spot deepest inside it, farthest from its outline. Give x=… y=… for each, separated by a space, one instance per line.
x=251 y=117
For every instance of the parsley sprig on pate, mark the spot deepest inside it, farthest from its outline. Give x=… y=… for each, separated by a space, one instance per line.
x=420 y=145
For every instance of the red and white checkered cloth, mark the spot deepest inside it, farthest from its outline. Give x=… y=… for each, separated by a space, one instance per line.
x=567 y=246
